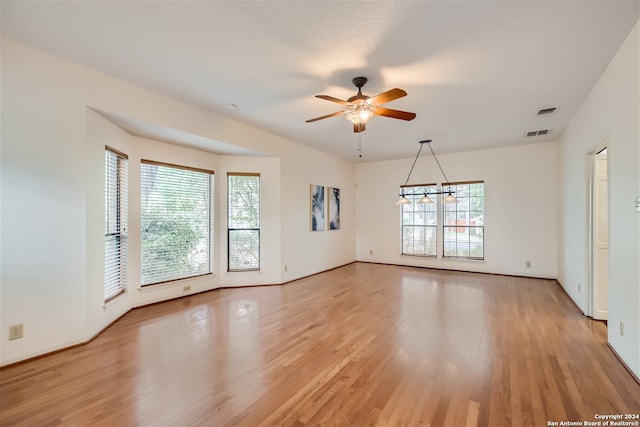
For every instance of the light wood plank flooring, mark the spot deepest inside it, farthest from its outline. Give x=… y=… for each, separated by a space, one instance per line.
x=364 y=344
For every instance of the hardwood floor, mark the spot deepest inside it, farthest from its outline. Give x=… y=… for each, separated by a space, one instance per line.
x=364 y=344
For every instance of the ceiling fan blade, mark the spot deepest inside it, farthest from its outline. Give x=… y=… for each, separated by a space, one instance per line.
x=325 y=117
x=387 y=96
x=332 y=99
x=395 y=114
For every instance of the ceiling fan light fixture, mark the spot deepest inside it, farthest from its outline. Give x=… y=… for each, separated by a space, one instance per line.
x=360 y=113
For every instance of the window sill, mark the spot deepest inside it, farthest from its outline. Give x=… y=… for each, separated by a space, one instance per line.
x=446 y=259
x=114 y=299
x=173 y=283
x=420 y=256
x=450 y=258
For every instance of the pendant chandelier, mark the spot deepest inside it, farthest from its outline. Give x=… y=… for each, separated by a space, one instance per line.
x=449 y=198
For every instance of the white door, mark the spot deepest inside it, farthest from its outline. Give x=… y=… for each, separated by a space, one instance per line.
x=600 y=237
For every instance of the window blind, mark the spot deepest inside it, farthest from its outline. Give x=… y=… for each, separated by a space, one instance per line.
x=176 y=212
x=116 y=228
x=243 y=221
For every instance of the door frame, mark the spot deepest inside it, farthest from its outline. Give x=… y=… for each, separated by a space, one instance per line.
x=603 y=143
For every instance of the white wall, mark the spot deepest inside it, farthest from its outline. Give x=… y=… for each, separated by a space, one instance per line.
x=301 y=245
x=52 y=166
x=520 y=208
x=43 y=276
x=611 y=111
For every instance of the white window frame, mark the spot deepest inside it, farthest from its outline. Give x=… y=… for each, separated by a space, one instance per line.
x=473 y=221
x=178 y=274
x=234 y=226
x=116 y=223
x=423 y=211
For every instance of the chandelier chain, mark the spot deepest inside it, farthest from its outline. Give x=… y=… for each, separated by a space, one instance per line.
x=434 y=156
x=412 y=166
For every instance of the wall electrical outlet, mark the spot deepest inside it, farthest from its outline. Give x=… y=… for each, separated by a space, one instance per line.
x=15 y=331
x=186 y=288
x=371 y=252
x=578 y=287
x=285 y=268
x=621 y=329
x=528 y=264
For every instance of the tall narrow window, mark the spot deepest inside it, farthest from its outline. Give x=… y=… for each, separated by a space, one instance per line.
x=463 y=223
x=243 y=221
x=175 y=222
x=115 y=223
x=419 y=222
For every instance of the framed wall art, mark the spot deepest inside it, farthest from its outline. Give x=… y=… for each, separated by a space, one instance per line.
x=334 y=208
x=317 y=207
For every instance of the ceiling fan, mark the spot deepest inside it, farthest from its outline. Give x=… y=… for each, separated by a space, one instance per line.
x=361 y=108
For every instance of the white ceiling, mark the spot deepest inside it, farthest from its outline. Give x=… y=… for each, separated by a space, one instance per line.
x=476 y=72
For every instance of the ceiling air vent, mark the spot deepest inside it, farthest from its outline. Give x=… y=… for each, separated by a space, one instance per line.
x=537 y=132
x=547 y=111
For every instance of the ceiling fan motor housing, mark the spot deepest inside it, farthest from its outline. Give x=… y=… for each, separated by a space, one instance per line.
x=359 y=81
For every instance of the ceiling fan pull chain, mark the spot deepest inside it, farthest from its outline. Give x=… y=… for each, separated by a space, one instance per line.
x=359 y=145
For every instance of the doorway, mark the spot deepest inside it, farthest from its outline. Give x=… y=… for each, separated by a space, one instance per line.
x=599 y=235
